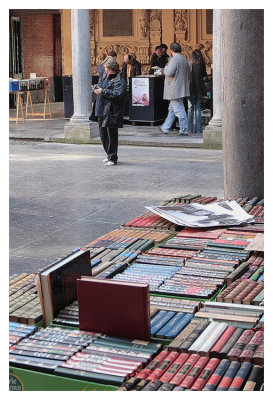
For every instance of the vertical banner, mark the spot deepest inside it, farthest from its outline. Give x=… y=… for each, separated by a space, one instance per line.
x=140 y=92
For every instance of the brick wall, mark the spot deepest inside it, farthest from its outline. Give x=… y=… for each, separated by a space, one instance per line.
x=38 y=45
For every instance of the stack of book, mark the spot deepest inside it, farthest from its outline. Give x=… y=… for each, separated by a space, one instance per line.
x=175 y=371
x=18 y=331
x=109 y=360
x=24 y=303
x=246 y=291
x=48 y=348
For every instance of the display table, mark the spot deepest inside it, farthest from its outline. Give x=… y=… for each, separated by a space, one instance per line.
x=18 y=106
x=46 y=103
x=146 y=102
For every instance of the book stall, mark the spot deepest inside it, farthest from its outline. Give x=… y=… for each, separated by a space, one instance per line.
x=172 y=300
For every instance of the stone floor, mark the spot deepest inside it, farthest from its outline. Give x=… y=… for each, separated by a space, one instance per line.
x=62 y=196
x=52 y=129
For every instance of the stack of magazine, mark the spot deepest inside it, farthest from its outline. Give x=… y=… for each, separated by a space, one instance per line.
x=224 y=213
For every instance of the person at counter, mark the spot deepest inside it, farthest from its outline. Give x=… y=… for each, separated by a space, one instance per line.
x=157 y=59
x=110 y=93
x=176 y=86
x=130 y=67
x=164 y=51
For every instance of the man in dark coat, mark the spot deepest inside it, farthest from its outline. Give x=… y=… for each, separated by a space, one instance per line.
x=109 y=108
x=130 y=67
x=157 y=59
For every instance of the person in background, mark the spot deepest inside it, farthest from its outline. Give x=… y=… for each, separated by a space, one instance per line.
x=100 y=68
x=157 y=59
x=164 y=51
x=130 y=67
x=197 y=90
x=176 y=86
x=109 y=107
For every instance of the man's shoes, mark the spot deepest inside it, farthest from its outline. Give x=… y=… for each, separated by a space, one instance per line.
x=105 y=160
x=162 y=130
x=183 y=134
x=110 y=164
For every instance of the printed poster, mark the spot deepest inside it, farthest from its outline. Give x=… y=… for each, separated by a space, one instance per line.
x=140 y=92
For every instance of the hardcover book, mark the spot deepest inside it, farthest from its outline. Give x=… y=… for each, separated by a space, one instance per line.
x=56 y=284
x=114 y=307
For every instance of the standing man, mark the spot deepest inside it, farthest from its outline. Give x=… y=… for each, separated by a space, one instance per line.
x=176 y=86
x=157 y=59
x=109 y=106
x=130 y=67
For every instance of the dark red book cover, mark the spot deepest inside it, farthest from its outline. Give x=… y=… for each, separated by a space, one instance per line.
x=115 y=308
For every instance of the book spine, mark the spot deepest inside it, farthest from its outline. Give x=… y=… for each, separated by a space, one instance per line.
x=249 y=351
x=166 y=363
x=171 y=371
x=153 y=365
x=158 y=325
x=255 y=379
x=239 y=298
x=251 y=296
x=258 y=357
x=194 y=373
x=205 y=335
x=239 y=346
x=241 y=376
x=193 y=336
x=217 y=375
x=231 y=342
x=179 y=326
x=223 y=339
x=241 y=286
x=208 y=344
x=152 y=386
x=185 y=369
x=174 y=345
x=205 y=374
x=170 y=324
x=166 y=387
x=229 y=375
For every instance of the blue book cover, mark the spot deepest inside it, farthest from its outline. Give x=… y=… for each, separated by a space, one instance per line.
x=156 y=327
x=170 y=324
x=172 y=333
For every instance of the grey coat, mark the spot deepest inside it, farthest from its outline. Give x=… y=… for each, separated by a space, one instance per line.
x=176 y=83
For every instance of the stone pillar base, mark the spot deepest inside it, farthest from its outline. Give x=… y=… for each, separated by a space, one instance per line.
x=77 y=132
x=212 y=137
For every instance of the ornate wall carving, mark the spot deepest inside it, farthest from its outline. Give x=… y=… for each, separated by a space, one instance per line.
x=147 y=33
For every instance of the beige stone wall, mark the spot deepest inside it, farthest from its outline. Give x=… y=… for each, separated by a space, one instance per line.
x=150 y=28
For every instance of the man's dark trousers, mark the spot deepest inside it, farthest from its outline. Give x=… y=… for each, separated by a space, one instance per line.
x=109 y=138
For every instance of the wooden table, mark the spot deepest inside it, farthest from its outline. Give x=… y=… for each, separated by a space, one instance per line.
x=46 y=102
x=18 y=106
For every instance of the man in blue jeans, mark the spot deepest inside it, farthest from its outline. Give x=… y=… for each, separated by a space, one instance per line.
x=176 y=86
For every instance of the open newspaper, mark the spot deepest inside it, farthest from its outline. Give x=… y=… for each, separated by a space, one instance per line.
x=224 y=213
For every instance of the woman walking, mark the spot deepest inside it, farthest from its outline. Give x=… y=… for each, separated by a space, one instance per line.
x=197 y=90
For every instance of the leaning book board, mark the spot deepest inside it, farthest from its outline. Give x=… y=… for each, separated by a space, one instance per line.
x=113 y=307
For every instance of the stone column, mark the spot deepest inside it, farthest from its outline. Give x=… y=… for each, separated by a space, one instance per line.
x=243 y=102
x=212 y=135
x=78 y=129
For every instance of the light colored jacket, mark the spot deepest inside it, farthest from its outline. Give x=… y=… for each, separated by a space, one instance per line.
x=176 y=83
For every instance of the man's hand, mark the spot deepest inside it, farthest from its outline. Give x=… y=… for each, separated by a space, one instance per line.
x=98 y=91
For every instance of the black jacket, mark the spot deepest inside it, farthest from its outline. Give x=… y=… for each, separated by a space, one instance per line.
x=197 y=85
x=113 y=95
x=135 y=69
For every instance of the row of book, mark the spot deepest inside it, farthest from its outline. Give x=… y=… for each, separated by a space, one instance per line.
x=18 y=332
x=24 y=302
x=111 y=360
x=84 y=355
x=172 y=371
